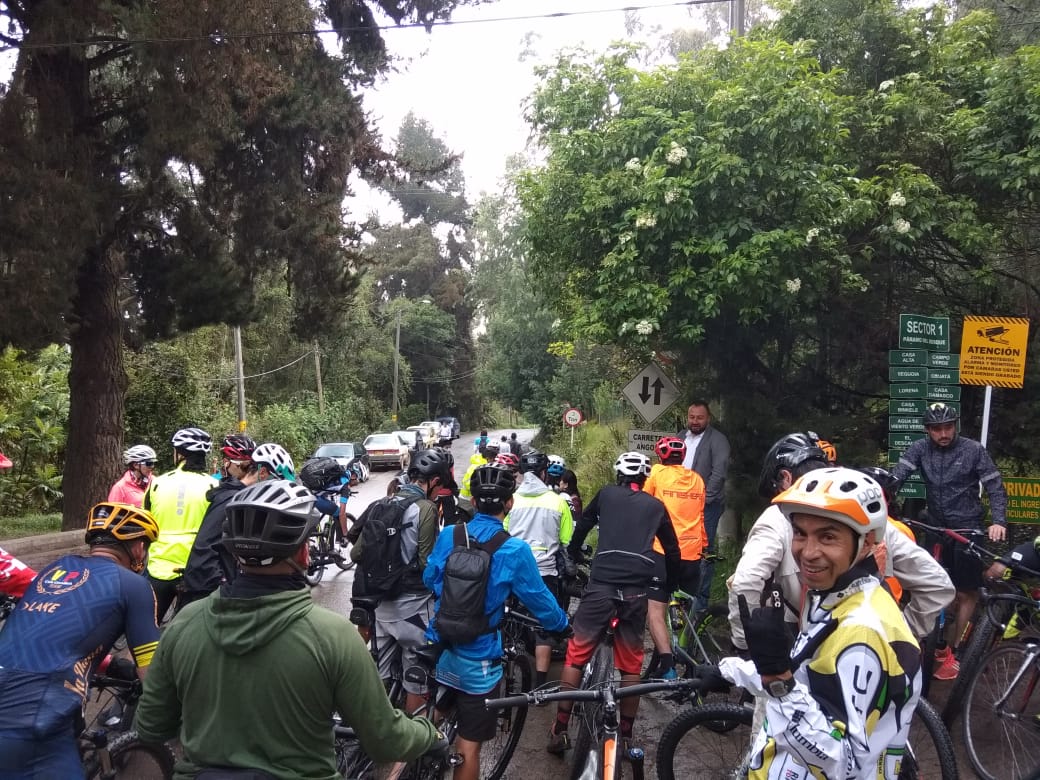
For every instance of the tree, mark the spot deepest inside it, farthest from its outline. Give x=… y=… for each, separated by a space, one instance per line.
x=146 y=182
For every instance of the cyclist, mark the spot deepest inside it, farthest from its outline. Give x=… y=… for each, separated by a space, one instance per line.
x=543 y=520
x=515 y=445
x=829 y=450
x=884 y=478
x=557 y=465
x=952 y=467
x=130 y=488
x=15 y=576
x=630 y=521
x=251 y=677
x=840 y=700
x=476 y=460
x=69 y=617
x=178 y=501
x=682 y=492
x=481 y=442
x=401 y=619
x=511 y=463
x=472 y=670
x=571 y=494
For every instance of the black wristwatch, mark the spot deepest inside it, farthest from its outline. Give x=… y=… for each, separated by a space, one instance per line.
x=780 y=687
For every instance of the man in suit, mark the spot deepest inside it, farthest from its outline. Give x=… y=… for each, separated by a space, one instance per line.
x=707 y=453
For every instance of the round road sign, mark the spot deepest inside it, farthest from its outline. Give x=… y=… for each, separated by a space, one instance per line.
x=572 y=417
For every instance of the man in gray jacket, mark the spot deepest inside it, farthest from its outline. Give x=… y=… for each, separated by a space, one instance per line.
x=707 y=453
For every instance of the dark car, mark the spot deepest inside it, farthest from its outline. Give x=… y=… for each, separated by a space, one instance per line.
x=346 y=454
x=456 y=426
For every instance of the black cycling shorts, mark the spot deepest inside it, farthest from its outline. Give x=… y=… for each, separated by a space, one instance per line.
x=476 y=722
x=689 y=579
x=965 y=569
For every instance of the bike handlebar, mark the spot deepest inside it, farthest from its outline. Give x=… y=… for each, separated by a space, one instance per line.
x=594 y=694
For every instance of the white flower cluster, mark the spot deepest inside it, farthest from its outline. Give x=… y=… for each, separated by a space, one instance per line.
x=645 y=220
x=901 y=226
x=793 y=285
x=676 y=154
x=897 y=199
x=813 y=233
x=634 y=165
x=886 y=85
x=671 y=196
x=624 y=238
x=644 y=327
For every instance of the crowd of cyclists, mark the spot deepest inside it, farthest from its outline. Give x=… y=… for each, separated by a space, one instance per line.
x=250 y=672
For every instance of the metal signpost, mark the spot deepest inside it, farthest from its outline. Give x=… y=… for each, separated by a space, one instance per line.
x=993 y=353
x=572 y=418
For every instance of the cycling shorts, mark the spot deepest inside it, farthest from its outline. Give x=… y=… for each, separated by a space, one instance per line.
x=689 y=579
x=595 y=611
x=965 y=569
x=476 y=722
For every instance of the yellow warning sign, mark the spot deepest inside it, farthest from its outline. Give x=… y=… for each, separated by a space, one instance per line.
x=993 y=351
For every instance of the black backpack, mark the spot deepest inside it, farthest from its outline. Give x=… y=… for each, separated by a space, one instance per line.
x=382 y=563
x=461 y=616
x=320 y=474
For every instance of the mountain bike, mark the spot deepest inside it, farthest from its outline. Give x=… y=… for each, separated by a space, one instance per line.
x=328 y=545
x=714 y=740
x=697 y=638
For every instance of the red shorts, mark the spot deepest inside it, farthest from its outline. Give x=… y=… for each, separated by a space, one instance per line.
x=599 y=605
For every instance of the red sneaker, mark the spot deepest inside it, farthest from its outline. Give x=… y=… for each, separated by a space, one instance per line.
x=948 y=669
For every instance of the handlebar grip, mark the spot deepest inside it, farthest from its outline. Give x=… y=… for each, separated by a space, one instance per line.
x=523 y=700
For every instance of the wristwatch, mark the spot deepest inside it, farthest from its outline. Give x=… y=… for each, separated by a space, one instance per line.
x=779 y=687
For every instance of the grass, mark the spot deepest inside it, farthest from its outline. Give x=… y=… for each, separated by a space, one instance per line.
x=29 y=525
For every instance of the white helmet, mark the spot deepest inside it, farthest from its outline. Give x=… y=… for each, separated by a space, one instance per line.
x=276 y=459
x=632 y=464
x=848 y=496
x=192 y=440
x=139 y=453
x=557 y=460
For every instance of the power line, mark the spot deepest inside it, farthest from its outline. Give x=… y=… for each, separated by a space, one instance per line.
x=220 y=38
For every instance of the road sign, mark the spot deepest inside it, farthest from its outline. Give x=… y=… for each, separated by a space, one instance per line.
x=907 y=374
x=918 y=332
x=651 y=392
x=572 y=417
x=911 y=407
x=944 y=392
x=904 y=424
x=944 y=376
x=913 y=490
x=900 y=441
x=644 y=441
x=942 y=360
x=993 y=351
x=907 y=390
x=907 y=357
x=1023 y=499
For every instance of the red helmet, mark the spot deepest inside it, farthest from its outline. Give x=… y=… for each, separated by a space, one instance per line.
x=670 y=448
x=509 y=460
x=238 y=446
x=5 y=462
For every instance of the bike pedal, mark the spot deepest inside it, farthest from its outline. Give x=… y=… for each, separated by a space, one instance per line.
x=455 y=760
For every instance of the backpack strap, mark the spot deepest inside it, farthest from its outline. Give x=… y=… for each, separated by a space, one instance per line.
x=497 y=540
x=459 y=536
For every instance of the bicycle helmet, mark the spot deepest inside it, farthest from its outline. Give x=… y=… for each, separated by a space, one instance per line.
x=492 y=483
x=238 y=446
x=940 y=413
x=828 y=449
x=557 y=460
x=632 y=464
x=670 y=448
x=139 y=453
x=122 y=522
x=507 y=460
x=268 y=521
x=884 y=478
x=192 y=440
x=555 y=470
x=276 y=459
x=322 y=473
x=534 y=461
x=429 y=464
x=848 y=496
x=789 y=453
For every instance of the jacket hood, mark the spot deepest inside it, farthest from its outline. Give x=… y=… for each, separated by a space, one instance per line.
x=230 y=486
x=531 y=485
x=238 y=626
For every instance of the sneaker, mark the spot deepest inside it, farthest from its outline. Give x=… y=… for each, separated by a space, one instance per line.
x=948 y=669
x=671 y=674
x=942 y=653
x=558 y=743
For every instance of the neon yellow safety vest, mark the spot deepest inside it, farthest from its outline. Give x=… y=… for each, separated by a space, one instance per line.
x=178 y=501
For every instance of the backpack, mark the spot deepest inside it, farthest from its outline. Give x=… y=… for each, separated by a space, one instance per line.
x=320 y=474
x=461 y=616
x=382 y=563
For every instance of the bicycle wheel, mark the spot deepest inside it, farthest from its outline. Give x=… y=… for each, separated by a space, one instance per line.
x=351 y=760
x=136 y=760
x=1001 y=732
x=983 y=637
x=496 y=753
x=587 y=714
x=709 y=742
x=339 y=546
x=929 y=748
x=318 y=555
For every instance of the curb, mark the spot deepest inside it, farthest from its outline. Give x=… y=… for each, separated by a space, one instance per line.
x=44 y=543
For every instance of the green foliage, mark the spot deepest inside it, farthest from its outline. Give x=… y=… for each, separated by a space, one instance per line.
x=14 y=527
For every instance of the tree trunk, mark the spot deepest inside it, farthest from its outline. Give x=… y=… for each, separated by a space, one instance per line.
x=97 y=384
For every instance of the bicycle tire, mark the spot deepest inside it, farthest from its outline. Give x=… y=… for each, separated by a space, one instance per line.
x=929 y=748
x=135 y=760
x=984 y=636
x=496 y=753
x=996 y=740
x=715 y=729
x=318 y=557
x=340 y=552
x=351 y=760
x=588 y=713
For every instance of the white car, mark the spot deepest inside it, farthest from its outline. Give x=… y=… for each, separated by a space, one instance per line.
x=428 y=432
x=386 y=449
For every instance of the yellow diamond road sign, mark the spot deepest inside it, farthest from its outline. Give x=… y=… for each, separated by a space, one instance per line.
x=993 y=351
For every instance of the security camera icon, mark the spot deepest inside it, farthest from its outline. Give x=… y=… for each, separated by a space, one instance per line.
x=994 y=334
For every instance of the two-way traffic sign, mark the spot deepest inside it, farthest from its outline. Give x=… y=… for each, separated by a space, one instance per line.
x=651 y=392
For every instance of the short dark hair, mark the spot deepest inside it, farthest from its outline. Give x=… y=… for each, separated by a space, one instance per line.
x=700 y=402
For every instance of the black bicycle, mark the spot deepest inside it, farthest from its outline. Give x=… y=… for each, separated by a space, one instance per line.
x=329 y=545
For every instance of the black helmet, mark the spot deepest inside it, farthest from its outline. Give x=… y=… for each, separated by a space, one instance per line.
x=429 y=464
x=884 y=478
x=534 y=461
x=492 y=483
x=939 y=413
x=790 y=452
x=238 y=446
x=268 y=521
x=321 y=473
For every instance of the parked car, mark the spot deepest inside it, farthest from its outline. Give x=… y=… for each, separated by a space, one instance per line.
x=412 y=439
x=428 y=432
x=349 y=454
x=386 y=449
x=456 y=426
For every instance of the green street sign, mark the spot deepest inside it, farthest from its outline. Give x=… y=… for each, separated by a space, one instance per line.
x=943 y=359
x=909 y=407
x=913 y=490
x=944 y=376
x=900 y=441
x=918 y=332
x=1023 y=499
x=893 y=457
x=907 y=390
x=907 y=357
x=907 y=374
x=944 y=392
x=904 y=424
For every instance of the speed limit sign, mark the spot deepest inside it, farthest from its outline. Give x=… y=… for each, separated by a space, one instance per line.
x=572 y=417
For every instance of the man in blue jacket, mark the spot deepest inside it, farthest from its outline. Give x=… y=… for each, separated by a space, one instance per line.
x=473 y=669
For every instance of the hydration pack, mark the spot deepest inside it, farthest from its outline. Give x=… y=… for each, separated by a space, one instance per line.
x=382 y=561
x=462 y=615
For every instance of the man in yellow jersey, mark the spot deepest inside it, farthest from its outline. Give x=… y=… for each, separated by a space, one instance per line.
x=681 y=490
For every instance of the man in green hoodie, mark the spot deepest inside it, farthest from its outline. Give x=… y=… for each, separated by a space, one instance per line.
x=250 y=677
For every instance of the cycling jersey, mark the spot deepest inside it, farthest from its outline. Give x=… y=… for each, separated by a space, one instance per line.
x=209 y=563
x=682 y=493
x=475 y=462
x=15 y=576
x=952 y=475
x=178 y=501
x=849 y=713
x=127 y=490
x=542 y=519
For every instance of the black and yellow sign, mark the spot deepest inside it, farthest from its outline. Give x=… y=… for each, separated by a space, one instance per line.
x=993 y=351
x=1023 y=499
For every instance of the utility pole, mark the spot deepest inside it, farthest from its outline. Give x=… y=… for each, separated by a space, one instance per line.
x=736 y=17
x=240 y=378
x=397 y=359
x=317 y=373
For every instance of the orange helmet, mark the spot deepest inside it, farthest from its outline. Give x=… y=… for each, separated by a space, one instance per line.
x=122 y=521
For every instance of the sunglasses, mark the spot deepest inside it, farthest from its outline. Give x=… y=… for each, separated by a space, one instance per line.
x=147 y=463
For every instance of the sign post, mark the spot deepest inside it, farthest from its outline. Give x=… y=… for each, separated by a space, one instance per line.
x=651 y=392
x=572 y=418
